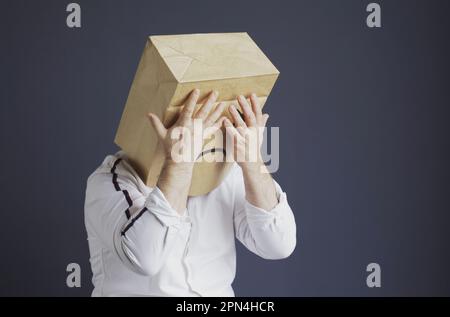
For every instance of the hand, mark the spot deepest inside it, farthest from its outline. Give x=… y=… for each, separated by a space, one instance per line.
x=175 y=177
x=179 y=139
x=247 y=133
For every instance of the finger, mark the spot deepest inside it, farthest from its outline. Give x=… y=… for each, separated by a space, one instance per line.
x=233 y=136
x=216 y=114
x=157 y=125
x=236 y=117
x=219 y=123
x=203 y=112
x=230 y=129
x=256 y=107
x=248 y=112
x=189 y=106
x=216 y=126
x=264 y=119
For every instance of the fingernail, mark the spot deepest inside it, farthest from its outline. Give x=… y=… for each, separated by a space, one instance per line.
x=215 y=93
x=253 y=95
x=196 y=91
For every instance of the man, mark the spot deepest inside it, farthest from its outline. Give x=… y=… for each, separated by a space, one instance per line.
x=176 y=245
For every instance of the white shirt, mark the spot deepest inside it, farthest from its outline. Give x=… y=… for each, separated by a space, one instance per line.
x=140 y=246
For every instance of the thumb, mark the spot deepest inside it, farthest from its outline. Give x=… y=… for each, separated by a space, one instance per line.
x=157 y=125
x=265 y=117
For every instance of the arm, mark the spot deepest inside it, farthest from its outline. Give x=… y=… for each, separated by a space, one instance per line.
x=176 y=175
x=271 y=233
x=264 y=222
x=140 y=230
x=259 y=186
x=174 y=182
x=247 y=134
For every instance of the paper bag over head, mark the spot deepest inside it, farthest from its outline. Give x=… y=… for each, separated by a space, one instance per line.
x=170 y=67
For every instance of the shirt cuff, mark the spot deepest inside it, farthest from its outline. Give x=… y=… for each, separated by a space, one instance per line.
x=256 y=214
x=157 y=204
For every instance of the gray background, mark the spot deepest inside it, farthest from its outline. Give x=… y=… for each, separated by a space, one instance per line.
x=363 y=116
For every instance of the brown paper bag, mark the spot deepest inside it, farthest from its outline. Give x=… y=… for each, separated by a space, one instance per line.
x=170 y=68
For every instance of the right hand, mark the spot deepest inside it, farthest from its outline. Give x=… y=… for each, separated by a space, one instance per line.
x=175 y=135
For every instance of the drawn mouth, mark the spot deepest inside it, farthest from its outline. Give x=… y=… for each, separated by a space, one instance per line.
x=213 y=150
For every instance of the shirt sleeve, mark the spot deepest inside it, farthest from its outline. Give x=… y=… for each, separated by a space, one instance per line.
x=270 y=234
x=140 y=230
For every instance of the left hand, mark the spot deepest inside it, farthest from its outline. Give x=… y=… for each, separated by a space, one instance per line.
x=247 y=133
